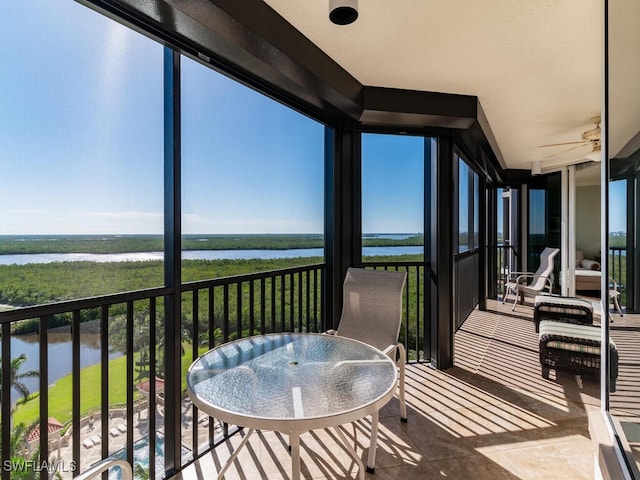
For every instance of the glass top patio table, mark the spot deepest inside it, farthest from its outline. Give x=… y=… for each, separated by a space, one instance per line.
x=292 y=383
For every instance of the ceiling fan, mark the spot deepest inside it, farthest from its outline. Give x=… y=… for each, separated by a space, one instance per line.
x=589 y=137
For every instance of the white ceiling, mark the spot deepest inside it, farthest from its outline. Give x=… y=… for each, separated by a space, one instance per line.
x=535 y=65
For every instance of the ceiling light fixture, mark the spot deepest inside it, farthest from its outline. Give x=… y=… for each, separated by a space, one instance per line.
x=343 y=12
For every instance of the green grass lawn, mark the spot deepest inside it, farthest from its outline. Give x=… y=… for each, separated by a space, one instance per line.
x=60 y=393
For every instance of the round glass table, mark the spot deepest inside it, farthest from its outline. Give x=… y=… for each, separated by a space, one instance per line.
x=292 y=383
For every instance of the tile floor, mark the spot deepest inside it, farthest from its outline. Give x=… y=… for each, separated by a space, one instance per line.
x=491 y=416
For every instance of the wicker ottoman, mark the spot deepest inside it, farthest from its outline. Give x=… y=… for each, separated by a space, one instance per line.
x=574 y=348
x=562 y=309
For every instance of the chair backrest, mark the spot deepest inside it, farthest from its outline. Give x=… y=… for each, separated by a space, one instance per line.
x=372 y=308
x=545 y=268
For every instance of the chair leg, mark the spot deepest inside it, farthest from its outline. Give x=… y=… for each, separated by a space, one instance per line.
x=371 y=458
x=616 y=304
x=507 y=290
x=515 y=300
x=401 y=397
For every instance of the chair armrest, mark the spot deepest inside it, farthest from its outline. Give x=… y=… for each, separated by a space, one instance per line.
x=532 y=276
x=389 y=349
x=395 y=352
x=331 y=332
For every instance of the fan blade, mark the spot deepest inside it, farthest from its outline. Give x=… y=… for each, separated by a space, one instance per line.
x=565 y=151
x=564 y=143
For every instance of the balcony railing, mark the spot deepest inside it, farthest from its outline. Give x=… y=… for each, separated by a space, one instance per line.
x=111 y=407
x=88 y=401
x=108 y=409
x=618 y=270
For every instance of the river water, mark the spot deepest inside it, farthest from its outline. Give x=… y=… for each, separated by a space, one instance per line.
x=59 y=353
x=195 y=255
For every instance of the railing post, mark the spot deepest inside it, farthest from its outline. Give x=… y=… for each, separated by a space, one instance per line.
x=43 y=338
x=5 y=411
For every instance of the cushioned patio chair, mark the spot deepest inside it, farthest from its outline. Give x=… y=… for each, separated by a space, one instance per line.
x=531 y=284
x=372 y=314
x=575 y=348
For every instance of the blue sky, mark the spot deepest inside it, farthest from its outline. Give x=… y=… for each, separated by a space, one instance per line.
x=80 y=134
x=81 y=141
x=392 y=183
x=617 y=206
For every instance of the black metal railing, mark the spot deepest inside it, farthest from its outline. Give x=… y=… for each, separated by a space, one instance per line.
x=224 y=309
x=413 y=333
x=618 y=270
x=89 y=402
x=122 y=397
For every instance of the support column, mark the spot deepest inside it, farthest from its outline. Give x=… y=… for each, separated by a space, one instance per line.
x=568 y=231
x=570 y=267
x=522 y=225
x=633 y=233
x=484 y=222
x=172 y=264
x=440 y=254
x=564 y=229
x=343 y=215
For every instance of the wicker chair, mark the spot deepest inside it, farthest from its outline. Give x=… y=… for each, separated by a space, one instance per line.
x=531 y=284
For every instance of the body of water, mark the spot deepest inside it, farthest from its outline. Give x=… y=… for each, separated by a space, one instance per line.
x=195 y=255
x=59 y=349
x=390 y=236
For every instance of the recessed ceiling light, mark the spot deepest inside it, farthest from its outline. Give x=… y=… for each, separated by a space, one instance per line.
x=343 y=12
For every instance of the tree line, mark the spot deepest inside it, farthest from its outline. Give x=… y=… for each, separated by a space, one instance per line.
x=13 y=244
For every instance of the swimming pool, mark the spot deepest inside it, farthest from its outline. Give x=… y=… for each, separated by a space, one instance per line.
x=141 y=457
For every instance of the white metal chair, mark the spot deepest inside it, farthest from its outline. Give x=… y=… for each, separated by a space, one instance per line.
x=372 y=314
x=614 y=295
x=531 y=284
